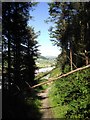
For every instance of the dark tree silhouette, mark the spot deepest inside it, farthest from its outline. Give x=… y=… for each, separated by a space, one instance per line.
x=19 y=54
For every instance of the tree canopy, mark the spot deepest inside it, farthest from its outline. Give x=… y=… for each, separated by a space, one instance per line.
x=71 y=32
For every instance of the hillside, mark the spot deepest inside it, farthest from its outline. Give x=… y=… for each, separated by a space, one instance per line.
x=45 y=61
x=70 y=96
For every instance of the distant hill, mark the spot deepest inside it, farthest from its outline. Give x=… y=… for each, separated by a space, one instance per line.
x=47 y=57
x=45 y=61
x=42 y=57
x=50 y=57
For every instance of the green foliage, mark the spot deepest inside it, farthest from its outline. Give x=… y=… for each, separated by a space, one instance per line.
x=41 y=77
x=67 y=68
x=33 y=102
x=70 y=32
x=55 y=72
x=71 y=96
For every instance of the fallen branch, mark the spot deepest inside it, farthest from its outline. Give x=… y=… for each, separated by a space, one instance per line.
x=64 y=75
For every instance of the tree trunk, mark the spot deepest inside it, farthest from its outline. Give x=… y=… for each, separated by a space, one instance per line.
x=17 y=51
x=9 y=55
x=86 y=57
x=71 y=63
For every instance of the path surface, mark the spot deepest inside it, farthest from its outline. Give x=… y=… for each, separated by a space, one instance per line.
x=45 y=108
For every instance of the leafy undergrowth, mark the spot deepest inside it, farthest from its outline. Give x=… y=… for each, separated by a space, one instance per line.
x=55 y=72
x=42 y=87
x=70 y=95
x=41 y=75
x=34 y=104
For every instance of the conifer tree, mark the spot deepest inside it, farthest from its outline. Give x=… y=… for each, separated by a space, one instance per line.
x=71 y=31
x=19 y=54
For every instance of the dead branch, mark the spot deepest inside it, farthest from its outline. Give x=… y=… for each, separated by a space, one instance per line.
x=64 y=75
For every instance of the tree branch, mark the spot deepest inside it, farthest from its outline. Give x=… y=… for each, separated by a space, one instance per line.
x=61 y=76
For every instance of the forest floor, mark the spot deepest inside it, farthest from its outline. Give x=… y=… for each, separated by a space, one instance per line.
x=45 y=109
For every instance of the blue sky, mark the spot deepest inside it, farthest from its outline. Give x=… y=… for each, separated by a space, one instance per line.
x=40 y=14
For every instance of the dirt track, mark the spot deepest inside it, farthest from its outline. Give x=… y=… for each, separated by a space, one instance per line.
x=45 y=108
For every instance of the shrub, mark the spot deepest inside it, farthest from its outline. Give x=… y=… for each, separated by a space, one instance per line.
x=71 y=95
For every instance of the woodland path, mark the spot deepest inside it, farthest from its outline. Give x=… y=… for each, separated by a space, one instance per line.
x=45 y=109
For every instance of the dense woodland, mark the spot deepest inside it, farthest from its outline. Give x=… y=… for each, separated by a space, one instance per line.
x=70 y=33
x=19 y=54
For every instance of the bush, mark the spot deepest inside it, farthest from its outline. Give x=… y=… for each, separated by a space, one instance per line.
x=71 y=96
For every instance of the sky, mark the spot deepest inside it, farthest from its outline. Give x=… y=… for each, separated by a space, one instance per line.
x=40 y=14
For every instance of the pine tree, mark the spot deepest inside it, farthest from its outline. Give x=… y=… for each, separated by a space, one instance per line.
x=70 y=31
x=19 y=54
